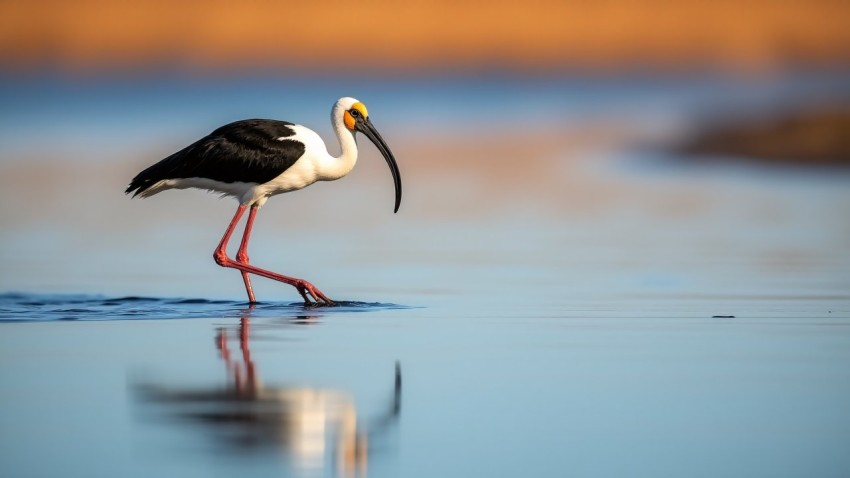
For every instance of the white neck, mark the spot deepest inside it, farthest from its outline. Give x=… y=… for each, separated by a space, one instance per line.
x=343 y=164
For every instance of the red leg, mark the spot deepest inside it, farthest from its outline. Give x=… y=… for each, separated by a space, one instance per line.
x=220 y=256
x=242 y=254
x=221 y=251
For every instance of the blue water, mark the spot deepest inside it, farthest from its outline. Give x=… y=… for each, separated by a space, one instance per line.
x=590 y=309
x=47 y=308
x=639 y=388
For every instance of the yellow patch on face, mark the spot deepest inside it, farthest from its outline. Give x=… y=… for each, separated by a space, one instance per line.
x=349 y=120
x=361 y=108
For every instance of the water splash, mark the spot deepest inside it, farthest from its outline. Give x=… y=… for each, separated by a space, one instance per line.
x=21 y=307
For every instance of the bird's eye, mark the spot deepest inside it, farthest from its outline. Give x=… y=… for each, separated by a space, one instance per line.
x=354 y=113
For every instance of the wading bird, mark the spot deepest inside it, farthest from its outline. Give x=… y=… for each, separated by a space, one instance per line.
x=255 y=159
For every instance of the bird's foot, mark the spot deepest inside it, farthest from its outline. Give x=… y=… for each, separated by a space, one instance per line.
x=308 y=290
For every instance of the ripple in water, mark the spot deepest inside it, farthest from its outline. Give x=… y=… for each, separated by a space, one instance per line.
x=17 y=307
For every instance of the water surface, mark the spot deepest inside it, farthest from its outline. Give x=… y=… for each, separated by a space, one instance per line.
x=554 y=298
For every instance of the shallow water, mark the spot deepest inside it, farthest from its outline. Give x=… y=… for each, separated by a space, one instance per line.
x=602 y=310
x=279 y=389
x=47 y=308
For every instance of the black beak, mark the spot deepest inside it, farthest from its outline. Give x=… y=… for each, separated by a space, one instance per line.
x=365 y=127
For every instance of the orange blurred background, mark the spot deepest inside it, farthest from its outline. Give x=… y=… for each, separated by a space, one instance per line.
x=417 y=36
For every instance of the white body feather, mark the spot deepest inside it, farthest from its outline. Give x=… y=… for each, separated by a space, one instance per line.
x=316 y=164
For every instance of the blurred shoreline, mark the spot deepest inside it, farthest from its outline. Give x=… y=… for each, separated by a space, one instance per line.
x=811 y=136
x=711 y=116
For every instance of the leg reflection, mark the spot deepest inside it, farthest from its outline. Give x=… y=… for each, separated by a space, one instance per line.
x=313 y=428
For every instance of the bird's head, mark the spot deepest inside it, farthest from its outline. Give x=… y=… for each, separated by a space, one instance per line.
x=355 y=117
x=354 y=113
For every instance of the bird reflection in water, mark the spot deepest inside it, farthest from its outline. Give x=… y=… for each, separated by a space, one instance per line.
x=307 y=425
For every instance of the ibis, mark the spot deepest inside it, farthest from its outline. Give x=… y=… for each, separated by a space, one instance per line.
x=253 y=160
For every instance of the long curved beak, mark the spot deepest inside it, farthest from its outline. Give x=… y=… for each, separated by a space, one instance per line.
x=366 y=128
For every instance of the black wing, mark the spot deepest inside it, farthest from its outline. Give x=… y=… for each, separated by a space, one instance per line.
x=244 y=151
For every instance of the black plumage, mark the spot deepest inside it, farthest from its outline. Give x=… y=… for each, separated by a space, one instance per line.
x=243 y=151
